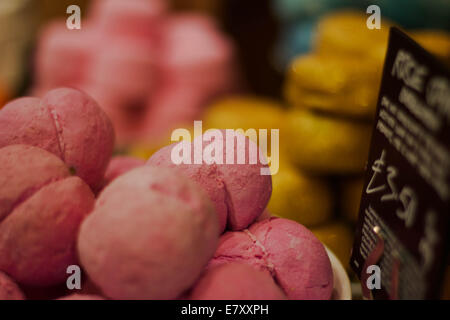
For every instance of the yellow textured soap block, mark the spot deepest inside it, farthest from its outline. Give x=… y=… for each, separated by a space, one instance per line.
x=435 y=41
x=244 y=112
x=333 y=84
x=346 y=33
x=327 y=145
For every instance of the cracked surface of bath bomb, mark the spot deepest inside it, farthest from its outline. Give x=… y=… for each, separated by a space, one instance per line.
x=9 y=290
x=23 y=170
x=239 y=191
x=65 y=122
x=150 y=235
x=120 y=165
x=236 y=281
x=294 y=257
x=41 y=208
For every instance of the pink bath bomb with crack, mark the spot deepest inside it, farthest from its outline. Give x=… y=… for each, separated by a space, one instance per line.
x=294 y=257
x=236 y=281
x=239 y=191
x=150 y=235
x=66 y=122
x=120 y=165
x=9 y=290
x=41 y=209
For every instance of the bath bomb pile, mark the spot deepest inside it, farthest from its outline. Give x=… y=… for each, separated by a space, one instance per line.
x=65 y=122
x=154 y=230
x=41 y=208
x=239 y=192
x=285 y=249
x=149 y=236
x=151 y=70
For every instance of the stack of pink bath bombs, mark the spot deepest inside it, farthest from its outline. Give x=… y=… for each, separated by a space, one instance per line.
x=153 y=230
x=150 y=70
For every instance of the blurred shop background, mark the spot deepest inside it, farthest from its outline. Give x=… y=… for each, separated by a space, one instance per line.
x=310 y=68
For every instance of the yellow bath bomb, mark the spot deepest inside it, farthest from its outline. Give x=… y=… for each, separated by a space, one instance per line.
x=327 y=145
x=346 y=33
x=296 y=196
x=338 y=236
x=244 y=112
x=351 y=192
x=435 y=41
x=333 y=84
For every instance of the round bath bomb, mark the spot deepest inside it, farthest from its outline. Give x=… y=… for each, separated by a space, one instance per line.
x=120 y=165
x=56 y=46
x=300 y=197
x=195 y=52
x=174 y=105
x=244 y=112
x=77 y=296
x=149 y=236
x=122 y=74
x=239 y=191
x=247 y=112
x=131 y=19
x=435 y=41
x=41 y=209
x=9 y=290
x=328 y=145
x=236 y=281
x=345 y=33
x=294 y=257
x=65 y=122
x=333 y=84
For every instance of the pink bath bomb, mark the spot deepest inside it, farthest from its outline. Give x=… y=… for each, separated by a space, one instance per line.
x=131 y=18
x=173 y=105
x=9 y=290
x=194 y=51
x=236 y=281
x=294 y=257
x=63 y=56
x=239 y=191
x=149 y=237
x=65 y=122
x=24 y=170
x=77 y=296
x=41 y=209
x=120 y=165
x=124 y=69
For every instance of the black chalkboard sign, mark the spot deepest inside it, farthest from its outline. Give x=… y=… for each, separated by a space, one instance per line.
x=403 y=225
